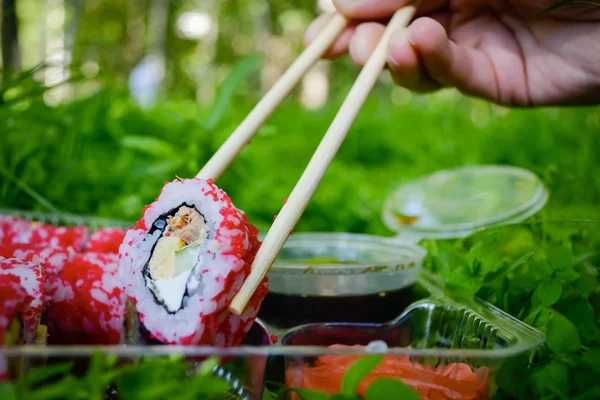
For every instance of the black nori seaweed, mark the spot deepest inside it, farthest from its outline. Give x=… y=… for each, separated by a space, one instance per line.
x=159 y=225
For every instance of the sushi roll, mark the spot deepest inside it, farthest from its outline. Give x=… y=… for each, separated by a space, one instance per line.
x=183 y=263
x=40 y=234
x=51 y=259
x=15 y=232
x=10 y=228
x=21 y=304
x=87 y=301
x=233 y=330
x=21 y=300
x=105 y=240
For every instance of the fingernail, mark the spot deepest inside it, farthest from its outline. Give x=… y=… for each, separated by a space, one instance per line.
x=345 y=5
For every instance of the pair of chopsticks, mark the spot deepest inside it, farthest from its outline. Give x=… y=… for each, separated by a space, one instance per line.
x=331 y=142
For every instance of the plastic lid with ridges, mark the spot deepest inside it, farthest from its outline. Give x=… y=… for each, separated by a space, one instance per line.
x=457 y=202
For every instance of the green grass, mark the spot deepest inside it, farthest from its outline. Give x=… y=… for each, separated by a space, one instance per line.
x=102 y=155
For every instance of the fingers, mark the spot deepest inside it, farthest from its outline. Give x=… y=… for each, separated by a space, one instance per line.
x=339 y=46
x=405 y=65
x=445 y=62
x=379 y=9
x=403 y=62
x=364 y=41
x=361 y=10
x=409 y=62
x=421 y=58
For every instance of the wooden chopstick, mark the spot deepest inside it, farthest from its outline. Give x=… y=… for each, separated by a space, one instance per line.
x=265 y=107
x=314 y=172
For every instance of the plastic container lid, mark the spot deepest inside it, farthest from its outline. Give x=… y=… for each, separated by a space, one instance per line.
x=457 y=202
x=342 y=264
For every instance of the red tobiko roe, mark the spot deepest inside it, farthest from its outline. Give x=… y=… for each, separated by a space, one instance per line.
x=51 y=259
x=11 y=295
x=58 y=236
x=19 y=294
x=15 y=232
x=89 y=305
x=231 y=221
x=106 y=240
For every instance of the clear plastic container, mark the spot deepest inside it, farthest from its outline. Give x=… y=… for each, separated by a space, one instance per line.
x=442 y=347
x=438 y=345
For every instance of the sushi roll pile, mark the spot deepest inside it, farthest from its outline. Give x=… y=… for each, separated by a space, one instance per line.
x=83 y=297
x=183 y=263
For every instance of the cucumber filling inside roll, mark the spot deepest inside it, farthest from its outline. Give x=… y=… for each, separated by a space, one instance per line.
x=178 y=238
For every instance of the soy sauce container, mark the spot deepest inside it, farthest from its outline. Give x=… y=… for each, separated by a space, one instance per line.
x=340 y=277
x=344 y=277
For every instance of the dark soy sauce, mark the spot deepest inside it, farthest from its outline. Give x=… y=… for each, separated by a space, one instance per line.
x=286 y=311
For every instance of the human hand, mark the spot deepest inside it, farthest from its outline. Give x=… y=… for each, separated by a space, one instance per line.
x=499 y=50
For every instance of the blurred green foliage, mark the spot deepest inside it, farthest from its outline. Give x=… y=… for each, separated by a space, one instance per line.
x=103 y=155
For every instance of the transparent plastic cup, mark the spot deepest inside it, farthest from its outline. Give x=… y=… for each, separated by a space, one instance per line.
x=340 y=277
